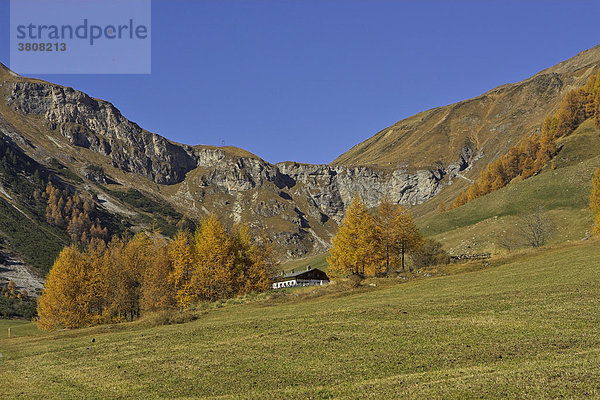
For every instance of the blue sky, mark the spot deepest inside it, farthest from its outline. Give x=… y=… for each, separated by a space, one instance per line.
x=306 y=80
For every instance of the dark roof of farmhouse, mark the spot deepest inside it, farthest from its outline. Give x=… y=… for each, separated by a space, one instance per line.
x=295 y=274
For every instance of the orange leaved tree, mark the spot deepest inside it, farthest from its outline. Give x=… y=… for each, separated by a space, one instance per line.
x=353 y=247
x=65 y=301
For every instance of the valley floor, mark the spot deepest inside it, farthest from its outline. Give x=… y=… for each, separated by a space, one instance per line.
x=525 y=329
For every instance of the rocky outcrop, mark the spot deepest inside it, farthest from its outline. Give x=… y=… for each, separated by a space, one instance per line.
x=327 y=189
x=330 y=189
x=98 y=125
x=236 y=174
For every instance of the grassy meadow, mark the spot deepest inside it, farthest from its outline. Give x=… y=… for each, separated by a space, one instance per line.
x=319 y=261
x=522 y=326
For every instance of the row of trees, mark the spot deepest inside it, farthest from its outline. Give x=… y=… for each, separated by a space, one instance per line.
x=371 y=244
x=533 y=153
x=10 y=290
x=119 y=281
x=15 y=303
x=70 y=212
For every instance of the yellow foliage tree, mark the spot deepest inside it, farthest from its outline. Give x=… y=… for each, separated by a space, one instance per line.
x=72 y=213
x=119 y=281
x=122 y=267
x=157 y=292
x=96 y=282
x=255 y=261
x=215 y=256
x=138 y=257
x=11 y=287
x=65 y=301
x=386 y=214
x=406 y=235
x=182 y=268
x=352 y=251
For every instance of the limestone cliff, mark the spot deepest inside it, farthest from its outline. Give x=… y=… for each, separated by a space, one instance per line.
x=99 y=126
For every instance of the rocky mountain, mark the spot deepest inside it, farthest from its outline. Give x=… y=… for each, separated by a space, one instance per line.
x=136 y=178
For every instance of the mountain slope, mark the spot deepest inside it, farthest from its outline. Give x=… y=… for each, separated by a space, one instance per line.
x=563 y=191
x=488 y=124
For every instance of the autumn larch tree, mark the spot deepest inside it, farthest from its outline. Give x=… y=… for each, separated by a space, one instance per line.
x=182 y=268
x=115 y=282
x=157 y=292
x=214 y=276
x=255 y=261
x=406 y=235
x=123 y=266
x=11 y=287
x=352 y=251
x=65 y=301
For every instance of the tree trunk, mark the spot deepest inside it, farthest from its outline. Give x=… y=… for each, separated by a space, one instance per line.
x=402 y=258
x=387 y=259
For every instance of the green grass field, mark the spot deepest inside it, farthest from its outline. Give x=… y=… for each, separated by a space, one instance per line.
x=19 y=328
x=524 y=327
x=563 y=191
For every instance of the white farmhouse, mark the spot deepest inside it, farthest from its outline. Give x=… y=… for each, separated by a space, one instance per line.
x=307 y=277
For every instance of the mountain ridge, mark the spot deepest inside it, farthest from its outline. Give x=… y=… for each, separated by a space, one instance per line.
x=130 y=171
x=383 y=148
x=301 y=204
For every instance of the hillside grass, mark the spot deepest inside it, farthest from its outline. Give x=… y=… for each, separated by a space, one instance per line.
x=563 y=189
x=37 y=243
x=566 y=188
x=318 y=261
x=523 y=327
x=18 y=328
x=155 y=212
